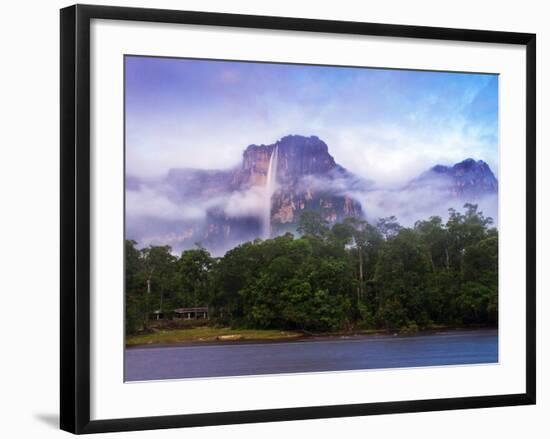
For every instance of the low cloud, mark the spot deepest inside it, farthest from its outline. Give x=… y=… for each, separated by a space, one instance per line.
x=409 y=203
x=246 y=203
x=414 y=204
x=339 y=183
x=156 y=201
x=157 y=214
x=149 y=202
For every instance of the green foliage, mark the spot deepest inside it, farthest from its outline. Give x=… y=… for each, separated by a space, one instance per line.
x=388 y=227
x=315 y=310
x=193 y=278
x=135 y=288
x=330 y=278
x=366 y=317
x=313 y=224
x=475 y=302
x=402 y=274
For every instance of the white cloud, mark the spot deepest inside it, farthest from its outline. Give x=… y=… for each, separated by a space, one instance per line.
x=391 y=155
x=411 y=205
x=151 y=203
x=246 y=203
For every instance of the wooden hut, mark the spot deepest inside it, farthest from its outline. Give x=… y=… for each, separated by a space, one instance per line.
x=191 y=313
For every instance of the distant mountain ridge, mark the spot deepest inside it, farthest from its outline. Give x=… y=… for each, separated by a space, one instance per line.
x=468 y=179
x=307 y=178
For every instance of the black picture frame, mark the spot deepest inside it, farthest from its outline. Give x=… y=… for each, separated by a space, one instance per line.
x=75 y=217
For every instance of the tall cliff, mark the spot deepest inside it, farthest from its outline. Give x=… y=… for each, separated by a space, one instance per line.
x=223 y=208
x=304 y=175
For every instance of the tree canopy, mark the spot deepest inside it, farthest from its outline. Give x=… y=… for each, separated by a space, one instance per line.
x=353 y=274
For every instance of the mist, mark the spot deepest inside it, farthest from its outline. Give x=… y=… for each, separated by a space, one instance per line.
x=185 y=119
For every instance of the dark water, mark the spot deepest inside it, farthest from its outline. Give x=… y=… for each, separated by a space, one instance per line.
x=373 y=352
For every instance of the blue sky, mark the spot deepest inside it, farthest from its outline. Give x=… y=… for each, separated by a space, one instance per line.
x=385 y=125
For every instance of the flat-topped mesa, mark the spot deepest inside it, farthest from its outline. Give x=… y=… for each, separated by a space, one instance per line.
x=297 y=156
x=303 y=177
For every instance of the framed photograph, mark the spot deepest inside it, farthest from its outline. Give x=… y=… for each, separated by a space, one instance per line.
x=268 y=218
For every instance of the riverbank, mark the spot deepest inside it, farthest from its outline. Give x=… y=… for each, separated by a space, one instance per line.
x=212 y=334
x=209 y=334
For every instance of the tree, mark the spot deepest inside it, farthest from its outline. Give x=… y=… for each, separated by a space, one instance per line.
x=401 y=277
x=435 y=236
x=313 y=224
x=465 y=229
x=342 y=234
x=359 y=239
x=362 y=241
x=261 y=302
x=475 y=303
x=388 y=227
x=308 y=309
x=193 y=269
x=231 y=274
x=134 y=287
x=159 y=268
x=479 y=299
x=481 y=262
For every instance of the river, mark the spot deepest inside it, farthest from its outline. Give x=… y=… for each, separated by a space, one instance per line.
x=311 y=355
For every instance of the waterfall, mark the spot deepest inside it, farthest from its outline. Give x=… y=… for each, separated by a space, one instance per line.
x=270 y=187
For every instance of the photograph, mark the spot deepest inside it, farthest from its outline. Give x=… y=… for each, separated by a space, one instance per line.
x=288 y=218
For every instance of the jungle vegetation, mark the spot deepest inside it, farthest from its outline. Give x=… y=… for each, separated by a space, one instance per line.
x=351 y=275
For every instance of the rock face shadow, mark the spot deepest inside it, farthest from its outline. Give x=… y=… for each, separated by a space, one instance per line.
x=49 y=419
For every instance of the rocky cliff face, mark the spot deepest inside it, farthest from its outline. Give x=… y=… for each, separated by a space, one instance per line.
x=298 y=156
x=304 y=174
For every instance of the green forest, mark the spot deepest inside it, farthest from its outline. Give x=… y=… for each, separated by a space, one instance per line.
x=353 y=275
